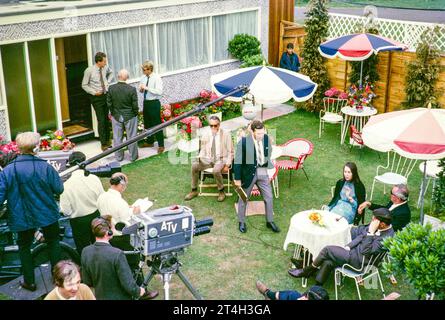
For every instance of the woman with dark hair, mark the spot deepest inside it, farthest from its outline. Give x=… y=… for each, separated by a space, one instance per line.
x=349 y=193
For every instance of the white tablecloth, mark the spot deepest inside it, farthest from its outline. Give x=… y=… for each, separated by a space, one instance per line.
x=314 y=237
x=358 y=119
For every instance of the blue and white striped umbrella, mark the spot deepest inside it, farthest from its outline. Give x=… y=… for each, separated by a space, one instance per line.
x=268 y=85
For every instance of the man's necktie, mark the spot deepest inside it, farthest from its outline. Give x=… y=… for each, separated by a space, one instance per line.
x=146 y=88
x=102 y=82
x=214 y=148
x=261 y=153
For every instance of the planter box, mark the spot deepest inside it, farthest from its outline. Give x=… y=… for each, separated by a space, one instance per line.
x=171 y=131
x=58 y=159
x=188 y=145
x=435 y=222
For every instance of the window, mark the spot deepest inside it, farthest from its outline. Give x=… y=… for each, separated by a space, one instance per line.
x=183 y=44
x=227 y=26
x=125 y=48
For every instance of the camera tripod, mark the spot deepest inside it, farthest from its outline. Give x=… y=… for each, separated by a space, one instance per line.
x=167 y=264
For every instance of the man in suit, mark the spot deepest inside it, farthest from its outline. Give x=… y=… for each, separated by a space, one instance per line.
x=216 y=151
x=122 y=100
x=95 y=82
x=289 y=59
x=366 y=242
x=398 y=206
x=252 y=160
x=105 y=268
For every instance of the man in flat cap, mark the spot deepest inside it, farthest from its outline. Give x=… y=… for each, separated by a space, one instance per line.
x=367 y=241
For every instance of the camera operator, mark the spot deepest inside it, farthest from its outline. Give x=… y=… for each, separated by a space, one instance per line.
x=79 y=202
x=111 y=203
x=105 y=268
x=30 y=184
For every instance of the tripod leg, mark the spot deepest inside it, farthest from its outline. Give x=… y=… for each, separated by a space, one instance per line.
x=166 y=277
x=189 y=285
x=148 y=278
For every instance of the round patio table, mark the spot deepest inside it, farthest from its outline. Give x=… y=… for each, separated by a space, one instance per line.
x=311 y=238
x=357 y=118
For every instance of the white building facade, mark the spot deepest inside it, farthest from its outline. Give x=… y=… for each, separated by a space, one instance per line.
x=43 y=52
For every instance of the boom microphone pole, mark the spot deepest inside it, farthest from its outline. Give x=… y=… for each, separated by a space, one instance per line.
x=155 y=129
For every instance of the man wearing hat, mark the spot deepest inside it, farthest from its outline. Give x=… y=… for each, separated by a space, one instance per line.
x=367 y=241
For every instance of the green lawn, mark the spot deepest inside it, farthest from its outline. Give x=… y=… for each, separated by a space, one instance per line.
x=225 y=264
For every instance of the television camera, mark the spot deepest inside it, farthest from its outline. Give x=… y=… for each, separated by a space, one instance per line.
x=162 y=234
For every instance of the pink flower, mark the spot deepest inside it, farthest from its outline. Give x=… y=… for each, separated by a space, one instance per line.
x=56 y=144
x=59 y=134
x=167 y=113
x=343 y=95
x=213 y=96
x=167 y=106
x=205 y=94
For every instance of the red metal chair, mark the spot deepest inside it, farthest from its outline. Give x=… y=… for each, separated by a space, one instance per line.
x=356 y=136
x=297 y=150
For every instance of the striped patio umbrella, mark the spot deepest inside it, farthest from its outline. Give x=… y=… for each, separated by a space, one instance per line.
x=416 y=134
x=358 y=47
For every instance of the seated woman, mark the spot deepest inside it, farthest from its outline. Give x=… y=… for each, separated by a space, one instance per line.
x=349 y=193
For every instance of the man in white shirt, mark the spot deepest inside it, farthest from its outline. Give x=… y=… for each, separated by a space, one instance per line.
x=111 y=203
x=151 y=88
x=79 y=202
x=216 y=151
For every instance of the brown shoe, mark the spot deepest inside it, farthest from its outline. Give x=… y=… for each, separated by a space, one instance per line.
x=221 y=196
x=105 y=147
x=191 y=195
x=262 y=289
x=148 y=295
x=161 y=150
x=146 y=145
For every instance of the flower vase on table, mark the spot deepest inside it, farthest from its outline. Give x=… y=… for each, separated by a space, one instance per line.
x=359 y=108
x=316 y=218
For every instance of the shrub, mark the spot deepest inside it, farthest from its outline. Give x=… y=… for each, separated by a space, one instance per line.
x=243 y=46
x=256 y=60
x=419 y=254
x=423 y=73
x=439 y=193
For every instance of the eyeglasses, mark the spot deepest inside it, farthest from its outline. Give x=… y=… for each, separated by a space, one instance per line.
x=214 y=125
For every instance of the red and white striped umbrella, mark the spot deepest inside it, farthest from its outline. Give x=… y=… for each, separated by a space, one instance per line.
x=416 y=134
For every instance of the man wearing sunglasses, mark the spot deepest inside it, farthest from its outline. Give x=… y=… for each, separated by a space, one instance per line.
x=215 y=151
x=398 y=206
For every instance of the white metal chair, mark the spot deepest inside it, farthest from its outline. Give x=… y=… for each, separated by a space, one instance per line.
x=331 y=113
x=366 y=271
x=396 y=171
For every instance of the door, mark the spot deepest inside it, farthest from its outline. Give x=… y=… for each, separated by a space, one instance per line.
x=72 y=61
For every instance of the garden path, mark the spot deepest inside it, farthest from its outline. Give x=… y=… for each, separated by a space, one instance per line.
x=92 y=148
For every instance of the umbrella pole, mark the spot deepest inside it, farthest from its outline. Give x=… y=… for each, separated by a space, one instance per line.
x=361 y=72
x=261 y=112
x=422 y=193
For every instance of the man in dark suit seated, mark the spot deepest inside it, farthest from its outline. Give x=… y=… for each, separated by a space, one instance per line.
x=398 y=206
x=366 y=243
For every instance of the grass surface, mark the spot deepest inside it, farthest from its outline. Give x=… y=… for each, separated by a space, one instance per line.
x=225 y=264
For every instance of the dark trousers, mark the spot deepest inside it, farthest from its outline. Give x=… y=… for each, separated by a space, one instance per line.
x=25 y=239
x=82 y=234
x=289 y=295
x=103 y=123
x=329 y=258
x=123 y=243
x=152 y=117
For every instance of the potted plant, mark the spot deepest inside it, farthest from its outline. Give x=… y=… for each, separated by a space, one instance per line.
x=8 y=151
x=166 y=115
x=188 y=130
x=418 y=253
x=360 y=96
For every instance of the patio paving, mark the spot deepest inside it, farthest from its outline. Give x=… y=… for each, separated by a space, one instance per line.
x=92 y=148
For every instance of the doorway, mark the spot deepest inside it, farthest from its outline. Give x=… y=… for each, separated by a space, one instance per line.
x=72 y=60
